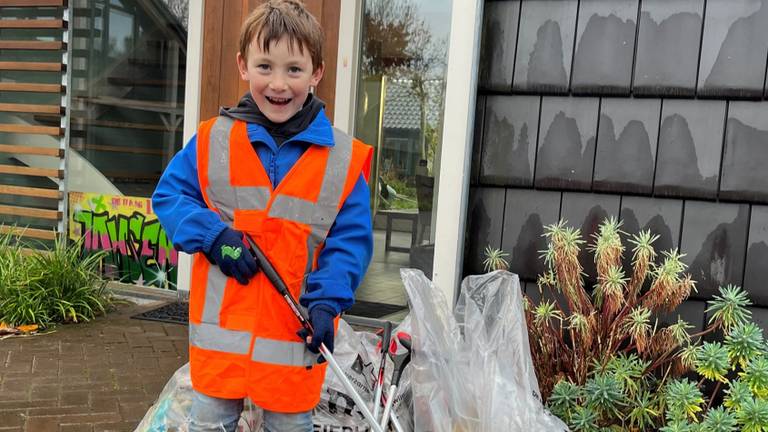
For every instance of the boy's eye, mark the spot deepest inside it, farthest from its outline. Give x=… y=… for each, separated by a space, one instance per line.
x=262 y=66
x=294 y=69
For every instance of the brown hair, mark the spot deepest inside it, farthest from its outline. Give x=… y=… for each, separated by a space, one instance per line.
x=274 y=19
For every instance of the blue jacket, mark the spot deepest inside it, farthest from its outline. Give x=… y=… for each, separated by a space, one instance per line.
x=192 y=226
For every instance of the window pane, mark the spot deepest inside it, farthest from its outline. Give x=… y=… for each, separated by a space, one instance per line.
x=129 y=61
x=400 y=113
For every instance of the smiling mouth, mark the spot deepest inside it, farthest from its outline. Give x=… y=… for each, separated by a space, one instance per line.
x=278 y=101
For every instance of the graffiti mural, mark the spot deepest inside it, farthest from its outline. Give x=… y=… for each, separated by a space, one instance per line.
x=139 y=251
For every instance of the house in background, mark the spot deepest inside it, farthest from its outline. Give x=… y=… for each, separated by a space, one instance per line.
x=649 y=111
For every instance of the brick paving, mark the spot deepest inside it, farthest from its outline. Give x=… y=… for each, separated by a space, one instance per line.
x=93 y=377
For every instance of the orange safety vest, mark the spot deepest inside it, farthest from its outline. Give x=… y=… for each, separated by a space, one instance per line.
x=243 y=339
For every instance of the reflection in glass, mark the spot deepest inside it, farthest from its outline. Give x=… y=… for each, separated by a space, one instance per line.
x=128 y=93
x=399 y=112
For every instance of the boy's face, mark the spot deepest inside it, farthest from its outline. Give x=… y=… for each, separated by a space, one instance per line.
x=280 y=79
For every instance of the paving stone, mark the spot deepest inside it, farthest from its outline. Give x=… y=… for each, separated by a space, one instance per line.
x=6 y=405
x=69 y=398
x=15 y=385
x=80 y=427
x=45 y=391
x=91 y=418
x=42 y=424
x=12 y=418
x=133 y=411
x=115 y=427
x=103 y=402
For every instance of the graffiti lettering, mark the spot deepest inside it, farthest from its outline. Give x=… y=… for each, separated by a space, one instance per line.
x=140 y=252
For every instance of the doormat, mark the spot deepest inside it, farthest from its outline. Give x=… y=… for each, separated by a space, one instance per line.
x=372 y=309
x=178 y=312
x=174 y=313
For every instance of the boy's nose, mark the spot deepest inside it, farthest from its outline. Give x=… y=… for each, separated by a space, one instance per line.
x=277 y=84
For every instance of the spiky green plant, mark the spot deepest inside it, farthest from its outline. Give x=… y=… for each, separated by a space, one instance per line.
x=679 y=331
x=744 y=342
x=644 y=411
x=584 y=419
x=629 y=370
x=604 y=394
x=755 y=375
x=637 y=325
x=737 y=393
x=495 y=259
x=677 y=426
x=564 y=399
x=643 y=255
x=753 y=415
x=547 y=312
x=719 y=420
x=729 y=308
x=684 y=400
x=712 y=361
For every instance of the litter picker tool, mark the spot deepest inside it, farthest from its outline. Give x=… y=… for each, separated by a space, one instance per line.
x=385 y=339
x=282 y=289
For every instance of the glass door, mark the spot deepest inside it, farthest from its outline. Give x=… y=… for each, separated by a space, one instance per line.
x=399 y=111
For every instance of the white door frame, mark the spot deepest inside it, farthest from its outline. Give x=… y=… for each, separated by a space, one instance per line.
x=455 y=155
x=191 y=112
x=347 y=64
x=456 y=147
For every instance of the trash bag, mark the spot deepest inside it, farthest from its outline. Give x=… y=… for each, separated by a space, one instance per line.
x=171 y=411
x=472 y=368
x=357 y=355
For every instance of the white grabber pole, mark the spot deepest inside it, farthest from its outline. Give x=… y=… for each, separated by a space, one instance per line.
x=282 y=288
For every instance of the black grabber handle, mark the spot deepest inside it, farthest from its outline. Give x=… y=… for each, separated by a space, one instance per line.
x=279 y=284
x=282 y=288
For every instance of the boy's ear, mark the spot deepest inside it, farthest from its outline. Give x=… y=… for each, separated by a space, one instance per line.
x=317 y=75
x=242 y=66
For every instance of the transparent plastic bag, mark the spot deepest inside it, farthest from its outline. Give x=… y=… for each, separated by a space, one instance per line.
x=472 y=368
x=171 y=411
x=357 y=355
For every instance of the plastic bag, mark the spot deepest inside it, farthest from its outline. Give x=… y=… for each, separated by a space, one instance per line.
x=357 y=355
x=171 y=411
x=472 y=369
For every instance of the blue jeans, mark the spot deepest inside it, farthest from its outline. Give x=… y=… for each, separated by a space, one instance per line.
x=209 y=414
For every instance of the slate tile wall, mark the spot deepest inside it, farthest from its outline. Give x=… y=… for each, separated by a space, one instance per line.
x=654 y=111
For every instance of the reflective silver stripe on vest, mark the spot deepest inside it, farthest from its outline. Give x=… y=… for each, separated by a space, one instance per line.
x=214 y=338
x=214 y=295
x=208 y=334
x=282 y=353
x=321 y=214
x=227 y=198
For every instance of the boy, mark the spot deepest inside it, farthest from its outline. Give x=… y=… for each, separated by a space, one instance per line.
x=275 y=169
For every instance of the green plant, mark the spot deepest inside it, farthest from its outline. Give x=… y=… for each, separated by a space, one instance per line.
x=605 y=362
x=494 y=259
x=58 y=285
